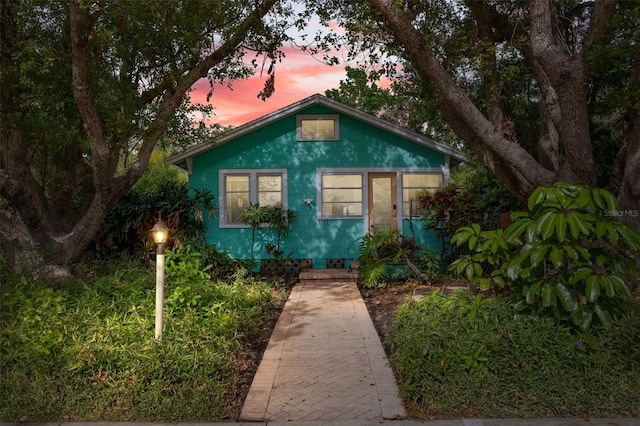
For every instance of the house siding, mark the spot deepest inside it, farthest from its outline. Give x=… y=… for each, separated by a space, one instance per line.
x=274 y=146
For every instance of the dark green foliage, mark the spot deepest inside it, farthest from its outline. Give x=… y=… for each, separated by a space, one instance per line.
x=221 y=264
x=465 y=356
x=568 y=256
x=254 y=216
x=276 y=218
x=388 y=256
x=126 y=227
x=85 y=351
x=473 y=197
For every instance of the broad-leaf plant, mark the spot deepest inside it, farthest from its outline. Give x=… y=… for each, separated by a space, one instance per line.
x=569 y=255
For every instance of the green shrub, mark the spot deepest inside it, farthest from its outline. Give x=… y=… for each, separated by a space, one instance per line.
x=389 y=255
x=463 y=355
x=280 y=221
x=567 y=257
x=472 y=196
x=275 y=217
x=85 y=351
x=221 y=264
x=126 y=227
x=184 y=266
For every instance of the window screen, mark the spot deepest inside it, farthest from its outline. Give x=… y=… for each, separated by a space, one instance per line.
x=411 y=185
x=341 y=195
x=317 y=127
x=237 y=196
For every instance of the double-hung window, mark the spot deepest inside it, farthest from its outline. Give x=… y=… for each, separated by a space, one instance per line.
x=240 y=188
x=341 y=195
x=412 y=184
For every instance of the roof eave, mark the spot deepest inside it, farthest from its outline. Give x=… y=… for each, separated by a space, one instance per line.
x=318 y=99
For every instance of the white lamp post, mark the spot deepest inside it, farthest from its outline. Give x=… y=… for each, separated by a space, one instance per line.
x=160 y=234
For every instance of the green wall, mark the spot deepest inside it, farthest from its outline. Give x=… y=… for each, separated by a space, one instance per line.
x=275 y=147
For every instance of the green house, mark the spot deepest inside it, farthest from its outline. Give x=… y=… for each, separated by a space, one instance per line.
x=344 y=172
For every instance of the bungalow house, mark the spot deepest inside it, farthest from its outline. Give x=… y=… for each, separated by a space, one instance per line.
x=344 y=172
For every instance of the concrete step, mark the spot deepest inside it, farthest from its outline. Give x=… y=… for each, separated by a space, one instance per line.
x=321 y=282
x=327 y=275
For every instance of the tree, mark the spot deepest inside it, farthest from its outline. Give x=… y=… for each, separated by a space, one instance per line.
x=570 y=49
x=404 y=102
x=86 y=85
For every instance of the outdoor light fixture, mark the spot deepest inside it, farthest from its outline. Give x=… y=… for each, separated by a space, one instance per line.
x=160 y=234
x=308 y=201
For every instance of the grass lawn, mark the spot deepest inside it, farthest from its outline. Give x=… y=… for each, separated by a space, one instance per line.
x=464 y=356
x=84 y=349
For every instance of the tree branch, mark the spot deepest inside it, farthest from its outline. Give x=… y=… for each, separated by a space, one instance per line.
x=464 y=117
x=173 y=95
x=567 y=77
x=80 y=27
x=17 y=184
x=544 y=46
x=603 y=11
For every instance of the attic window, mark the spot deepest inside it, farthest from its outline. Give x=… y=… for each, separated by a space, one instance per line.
x=317 y=127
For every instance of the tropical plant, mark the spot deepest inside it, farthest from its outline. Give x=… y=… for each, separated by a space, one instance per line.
x=280 y=220
x=126 y=227
x=274 y=217
x=568 y=256
x=473 y=196
x=444 y=212
x=256 y=217
x=388 y=247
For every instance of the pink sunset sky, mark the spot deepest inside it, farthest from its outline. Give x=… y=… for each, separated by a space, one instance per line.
x=298 y=75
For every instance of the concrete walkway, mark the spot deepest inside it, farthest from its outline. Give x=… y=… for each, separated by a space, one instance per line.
x=324 y=362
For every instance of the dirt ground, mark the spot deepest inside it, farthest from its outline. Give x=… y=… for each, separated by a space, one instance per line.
x=382 y=304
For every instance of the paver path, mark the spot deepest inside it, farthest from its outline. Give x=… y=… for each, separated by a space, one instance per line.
x=324 y=361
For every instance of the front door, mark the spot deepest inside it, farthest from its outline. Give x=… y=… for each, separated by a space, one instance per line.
x=382 y=201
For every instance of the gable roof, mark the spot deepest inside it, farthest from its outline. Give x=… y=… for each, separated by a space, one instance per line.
x=317 y=99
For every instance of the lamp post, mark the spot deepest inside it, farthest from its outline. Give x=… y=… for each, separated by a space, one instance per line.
x=160 y=234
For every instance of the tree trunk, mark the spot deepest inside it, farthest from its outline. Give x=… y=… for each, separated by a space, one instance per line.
x=38 y=231
x=565 y=143
x=511 y=164
x=629 y=158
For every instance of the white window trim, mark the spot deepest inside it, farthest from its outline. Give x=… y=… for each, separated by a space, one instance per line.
x=336 y=126
x=364 y=172
x=253 y=189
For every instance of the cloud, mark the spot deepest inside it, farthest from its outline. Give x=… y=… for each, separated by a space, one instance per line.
x=299 y=75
